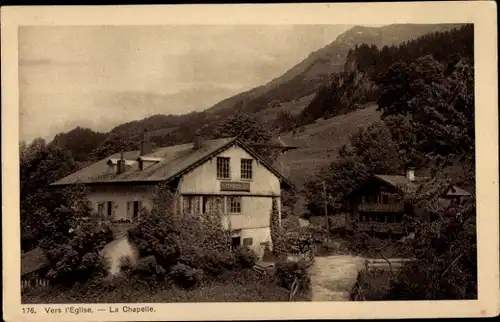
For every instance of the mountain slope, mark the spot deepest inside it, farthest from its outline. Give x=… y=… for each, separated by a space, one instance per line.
x=307 y=76
x=318 y=143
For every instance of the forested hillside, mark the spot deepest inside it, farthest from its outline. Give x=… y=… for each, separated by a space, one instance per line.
x=424 y=90
x=360 y=81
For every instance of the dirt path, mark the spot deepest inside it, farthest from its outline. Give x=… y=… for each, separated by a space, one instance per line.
x=118 y=248
x=332 y=277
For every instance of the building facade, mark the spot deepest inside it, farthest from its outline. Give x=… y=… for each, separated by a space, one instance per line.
x=223 y=175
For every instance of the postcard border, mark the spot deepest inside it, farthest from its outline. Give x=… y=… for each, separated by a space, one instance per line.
x=481 y=13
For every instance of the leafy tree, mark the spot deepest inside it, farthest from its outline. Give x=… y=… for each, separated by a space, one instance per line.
x=195 y=240
x=115 y=143
x=80 y=141
x=437 y=125
x=155 y=232
x=445 y=250
x=284 y=121
x=251 y=130
x=370 y=151
x=366 y=65
x=247 y=127
x=40 y=165
x=277 y=234
x=73 y=237
x=396 y=89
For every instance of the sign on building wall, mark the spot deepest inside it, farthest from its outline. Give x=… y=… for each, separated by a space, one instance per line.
x=234 y=186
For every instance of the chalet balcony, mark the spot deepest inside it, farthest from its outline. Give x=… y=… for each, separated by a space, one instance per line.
x=380 y=227
x=381 y=207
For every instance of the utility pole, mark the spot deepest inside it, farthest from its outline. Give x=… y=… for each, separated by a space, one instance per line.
x=326 y=210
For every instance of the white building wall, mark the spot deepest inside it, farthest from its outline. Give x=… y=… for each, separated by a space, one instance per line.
x=256 y=204
x=255 y=213
x=203 y=179
x=260 y=236
x=120 y=195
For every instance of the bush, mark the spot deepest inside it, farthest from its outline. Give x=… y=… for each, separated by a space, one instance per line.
x=446 y=263
x=371 y=285
x=216 y=262
x=148 y=269
x=191 y=256
x=245 y=257
x=300 y=243
x=126 y=264
x=290 y=273
x=156 y=233
x=73 y=239
x=185 y=276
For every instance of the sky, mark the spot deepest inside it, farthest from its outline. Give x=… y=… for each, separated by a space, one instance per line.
x=102 y=76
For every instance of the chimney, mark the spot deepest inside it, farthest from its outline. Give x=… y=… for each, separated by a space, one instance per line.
x=198 y=141
x=146 y=146
x=120 y=164
x=410 y=174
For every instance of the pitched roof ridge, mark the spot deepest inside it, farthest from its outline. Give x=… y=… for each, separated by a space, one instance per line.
x=183 y=160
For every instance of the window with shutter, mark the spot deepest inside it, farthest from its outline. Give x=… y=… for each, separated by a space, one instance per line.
x=110 y=210
x=137 y=208
x=130 y=207
x=101 y=209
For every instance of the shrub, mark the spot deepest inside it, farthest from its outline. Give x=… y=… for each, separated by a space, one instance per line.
x=185 y=276
x=446 y=264
x=216 y=262
x=126 y=264
x=277 y=236
x=245 y=257
x=290 y=274
x=148 y=269
x=300 y=243
x=156 y=233
x=73 y=239
x=268 y=254
x=371 y=285
x=191 y=256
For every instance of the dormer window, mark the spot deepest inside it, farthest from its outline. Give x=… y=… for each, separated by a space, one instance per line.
x=145 y=162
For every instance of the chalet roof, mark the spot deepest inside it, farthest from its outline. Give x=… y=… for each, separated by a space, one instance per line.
x=175 y=161
x=397 y=181
x=33 y=260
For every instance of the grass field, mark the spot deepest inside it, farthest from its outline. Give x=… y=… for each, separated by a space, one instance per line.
x=232 y=287
x=318 y=142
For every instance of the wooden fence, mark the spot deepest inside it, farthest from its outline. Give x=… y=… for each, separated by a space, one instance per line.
x=34 y=283
x=385 y=264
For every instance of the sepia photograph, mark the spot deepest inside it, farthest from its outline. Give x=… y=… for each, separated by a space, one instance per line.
x=264 y=162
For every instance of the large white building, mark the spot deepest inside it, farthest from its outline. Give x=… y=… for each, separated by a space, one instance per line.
x=222 y=173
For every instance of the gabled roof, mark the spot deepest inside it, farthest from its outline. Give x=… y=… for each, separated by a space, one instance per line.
x=175 y=161
x=398 y=181
x=33 y=260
